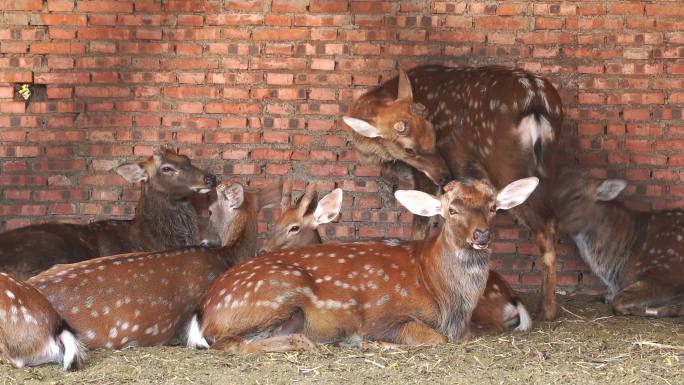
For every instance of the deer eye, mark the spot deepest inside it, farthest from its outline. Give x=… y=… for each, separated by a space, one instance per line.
x=167 y=169
x=294 y=229
x=409 y=151
x=493 y=209
x=452 y=211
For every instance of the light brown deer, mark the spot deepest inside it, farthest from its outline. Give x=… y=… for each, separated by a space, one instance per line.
x=144 y=299
x=420 y=292
x=639 y=256
x=31 y=331
x=489 y=122
x=164 y=219
x=498 y=309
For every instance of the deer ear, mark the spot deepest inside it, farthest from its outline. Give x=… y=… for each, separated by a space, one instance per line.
x=233 y=195
x=609 y=189
x=362 y=127
x=405 y=91
x=419 y=203
x=132 y=172
x=516 y=193
x=328 y=207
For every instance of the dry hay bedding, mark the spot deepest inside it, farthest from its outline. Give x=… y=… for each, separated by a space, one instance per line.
x=586 y=345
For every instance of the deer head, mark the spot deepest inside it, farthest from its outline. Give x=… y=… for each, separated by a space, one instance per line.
x=233 y=209
x=468 y=207
x=579 y=200
x=297 y=224
x=401 y=130
x=168 y=173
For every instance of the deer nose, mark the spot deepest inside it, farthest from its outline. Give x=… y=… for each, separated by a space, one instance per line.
x=210 y=180
x=262 y=252
x=481 y=237
x=209 y=243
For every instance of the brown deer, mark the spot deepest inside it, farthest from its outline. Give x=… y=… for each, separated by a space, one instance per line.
x=144 y=299
x=420 y=292
x=164 y=219
x=31 y=331
x=499 y=309
x=639 y=256
x=490 y=122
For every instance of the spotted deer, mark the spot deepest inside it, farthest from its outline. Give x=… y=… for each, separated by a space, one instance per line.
x=164 y=219
x=489 y=122
x=31 y=331
x=499 y=309
x=419 y=292
x=639 y=256
x=144 y=299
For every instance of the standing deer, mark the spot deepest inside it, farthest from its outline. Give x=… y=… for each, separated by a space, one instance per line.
x=164 y=219
x=420 y=292
x=143 y=299
x=31 y=331
x=639 y=256
x=490 y=122
x=497 y=310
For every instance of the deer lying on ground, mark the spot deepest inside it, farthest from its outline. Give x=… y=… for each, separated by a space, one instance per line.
x=143 y=299
x=490 y=122
x=639 y=256
x=497 y=310
x=164 y=219
x=31 y=331
x=420 y=292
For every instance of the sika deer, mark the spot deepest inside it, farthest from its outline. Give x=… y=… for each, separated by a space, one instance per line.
x=420 y=292
x=164 y=219
x=638 y=255
x=484 y=123
x=497 y=310
x=31 y=331
x=142 y=299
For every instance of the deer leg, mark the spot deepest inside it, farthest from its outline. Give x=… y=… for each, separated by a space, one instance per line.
x=545 y=240
x=649 y=299
x=417 y=333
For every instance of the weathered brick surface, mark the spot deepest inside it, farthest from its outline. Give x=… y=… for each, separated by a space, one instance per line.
x=255 y=89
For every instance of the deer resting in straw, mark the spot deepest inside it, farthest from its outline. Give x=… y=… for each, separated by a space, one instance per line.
x=144 y=299
x=420 y=292
x=497 y=310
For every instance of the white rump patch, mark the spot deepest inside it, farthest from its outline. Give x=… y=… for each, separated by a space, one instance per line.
x=195 y=339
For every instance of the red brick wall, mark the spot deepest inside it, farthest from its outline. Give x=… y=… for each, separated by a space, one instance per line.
x=256 y=88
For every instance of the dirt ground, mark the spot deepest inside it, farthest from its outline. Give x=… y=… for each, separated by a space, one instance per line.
x=586 y=345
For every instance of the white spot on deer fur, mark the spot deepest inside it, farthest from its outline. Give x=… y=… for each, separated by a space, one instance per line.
x=89 y=334
x=113 y=333
x=318 y=280
x=74 y=309
x=10 y=294
x=135 y=328
x=383 y=300
x=327 y=278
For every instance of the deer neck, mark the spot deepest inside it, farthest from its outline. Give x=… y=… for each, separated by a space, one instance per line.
x=607 y=243
x=166 y=222
x=456 y=275
x=240 y=243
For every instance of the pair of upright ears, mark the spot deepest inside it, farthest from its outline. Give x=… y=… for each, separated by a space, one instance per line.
x=424 y=204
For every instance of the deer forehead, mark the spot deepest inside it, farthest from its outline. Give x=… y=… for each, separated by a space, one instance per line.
x=475 y=195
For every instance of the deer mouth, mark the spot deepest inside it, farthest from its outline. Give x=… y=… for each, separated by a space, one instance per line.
x=479 y=246
x=201 y=190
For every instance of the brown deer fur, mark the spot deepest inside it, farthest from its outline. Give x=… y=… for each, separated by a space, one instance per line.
x=31 y=331
x=639 y=256
x=412 y=292
x=164 y=219
x=143 y=299
x=490 y=122
x=498 y=309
